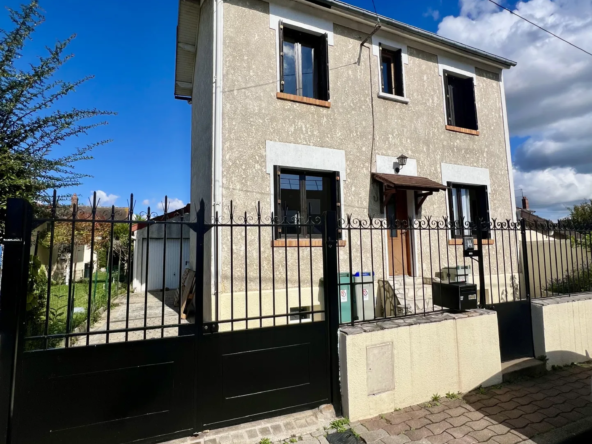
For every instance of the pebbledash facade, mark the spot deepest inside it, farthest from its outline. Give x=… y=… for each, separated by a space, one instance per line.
x=307 y=106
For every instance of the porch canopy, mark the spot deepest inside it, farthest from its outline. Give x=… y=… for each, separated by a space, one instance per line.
x=423 y=186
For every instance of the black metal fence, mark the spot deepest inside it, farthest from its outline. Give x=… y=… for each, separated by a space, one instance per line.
x=264 y=271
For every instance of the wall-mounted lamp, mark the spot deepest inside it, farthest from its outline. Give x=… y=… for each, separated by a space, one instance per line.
x=401 y=162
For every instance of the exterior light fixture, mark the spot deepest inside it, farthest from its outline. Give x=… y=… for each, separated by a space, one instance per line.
x=401 y=162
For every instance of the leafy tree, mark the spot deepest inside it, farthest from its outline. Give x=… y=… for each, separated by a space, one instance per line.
x=581 y=214
x=31 y=128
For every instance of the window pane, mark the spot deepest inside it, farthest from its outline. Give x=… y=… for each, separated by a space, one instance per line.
x=290 y=200
x=289 y=67
x=386 y=76
x=317 y=199
x=307 y=57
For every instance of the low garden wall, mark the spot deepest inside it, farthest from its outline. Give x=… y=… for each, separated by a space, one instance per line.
x=402 y=362
x=562 y=328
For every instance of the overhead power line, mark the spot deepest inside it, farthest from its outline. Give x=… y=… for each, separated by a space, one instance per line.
x=541 y=28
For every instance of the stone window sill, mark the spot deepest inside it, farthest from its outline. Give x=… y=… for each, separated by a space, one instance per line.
x=300 y=99
x=393 y=98
x=457 y=129
x=460 y=241
x=301 y=243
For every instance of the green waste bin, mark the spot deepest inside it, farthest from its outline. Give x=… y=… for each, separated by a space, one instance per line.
x=346 y=297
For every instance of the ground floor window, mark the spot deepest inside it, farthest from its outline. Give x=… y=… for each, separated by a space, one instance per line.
x=468 y=203
x=302 y=197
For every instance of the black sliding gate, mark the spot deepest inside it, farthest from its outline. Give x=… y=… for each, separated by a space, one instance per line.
x=94 y=360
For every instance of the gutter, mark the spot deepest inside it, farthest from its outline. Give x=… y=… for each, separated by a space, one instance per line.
x=346 y=10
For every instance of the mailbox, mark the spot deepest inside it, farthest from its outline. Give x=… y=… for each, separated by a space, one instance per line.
x=458 y=296
x=468 y=247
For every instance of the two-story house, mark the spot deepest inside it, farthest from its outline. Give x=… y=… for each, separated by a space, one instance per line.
x=309 y=106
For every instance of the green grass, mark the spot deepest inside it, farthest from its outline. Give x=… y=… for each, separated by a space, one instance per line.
x=99 y=299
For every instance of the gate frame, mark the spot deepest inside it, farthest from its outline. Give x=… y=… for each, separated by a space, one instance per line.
x=17 y=246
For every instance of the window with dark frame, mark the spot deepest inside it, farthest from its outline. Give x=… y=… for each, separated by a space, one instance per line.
x=461 y=108
x=391 y=72
x=301 y=199
x=468 y=203
x=304 y=63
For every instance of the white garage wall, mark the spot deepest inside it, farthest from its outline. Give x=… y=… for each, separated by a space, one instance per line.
x=155 y=263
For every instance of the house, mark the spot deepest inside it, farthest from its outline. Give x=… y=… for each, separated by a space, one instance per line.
x=309 y=106
x=149 y=257
x=84 y=254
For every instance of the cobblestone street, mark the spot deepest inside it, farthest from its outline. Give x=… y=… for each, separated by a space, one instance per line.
x=527 y=410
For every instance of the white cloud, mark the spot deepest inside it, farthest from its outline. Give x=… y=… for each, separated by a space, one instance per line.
x=104 y=199
x=435 y=14
x=552 y=190
x=146 y=202
x=549 y=93
x=173 y=204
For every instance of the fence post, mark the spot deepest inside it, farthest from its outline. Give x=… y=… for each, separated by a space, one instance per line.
x=330 y=251
x=482 y=296
x=17 y=245
x=525 y=259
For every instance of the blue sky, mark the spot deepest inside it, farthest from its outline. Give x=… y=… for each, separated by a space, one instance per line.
x=129 y=46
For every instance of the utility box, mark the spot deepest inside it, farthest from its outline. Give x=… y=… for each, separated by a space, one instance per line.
x=346 y=297
x=458 y=296
x=364 y=295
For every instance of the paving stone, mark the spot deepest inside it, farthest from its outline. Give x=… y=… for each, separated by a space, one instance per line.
x=479 y=425
x=510 y=405
x=318 y=433
x=492 y=410
x=458 y=421
x=322 y=440
x=375 y=424
x=251 y=434
x=517 y=423
x=311 y=420
x=490 y=402
x=513 y=414
x=309 y=441
x=464 y=440
x=396 y=439
x=508 y=438
x=459 y=432
x=238 y=438
x=300 y=424
x=474 y=416
x=398 y=417
x=359 y=429
x=482 y=435
x=418 y=414
x=437 y=408
x=418 y=423
x=418 y=434
x=457 y=411
x=264 y=432
x=543 y=403
x=524 y=400
x=529 y=408
x=541 y=427
x=439 y=427
x=225 y=439
x=572 y=416
x=499 y=429
x=277 y=429
x=526 y=432
x=534 y=417
x=289 y=426
x=211 y=441
x=499 y=418
x=437 y=417
x=440 y=439
x=372 y=436
x=396 y=429
x=578 y=402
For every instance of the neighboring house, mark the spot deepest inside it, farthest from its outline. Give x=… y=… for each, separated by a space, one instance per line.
x=148 y=258
x=308 y=106
x=81 y=261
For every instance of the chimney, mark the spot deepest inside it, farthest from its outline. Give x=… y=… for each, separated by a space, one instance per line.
x=74 y=200
x=525 y=205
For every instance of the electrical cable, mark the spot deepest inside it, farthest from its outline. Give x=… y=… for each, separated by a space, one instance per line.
x=540 y=27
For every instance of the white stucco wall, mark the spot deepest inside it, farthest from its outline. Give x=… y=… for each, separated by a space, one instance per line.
x=562 y=329
x=406 y=364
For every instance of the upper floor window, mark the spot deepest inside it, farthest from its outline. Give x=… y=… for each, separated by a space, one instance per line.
x=391 y=72
x=461 y=108
x=468 y=204
x=304 y=63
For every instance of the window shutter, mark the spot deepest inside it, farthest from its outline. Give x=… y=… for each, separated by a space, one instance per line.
x=281 y=53
x=324 y=60
x=277 y=204
x=336 y=199
x=398 y=86
x=449 y=93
